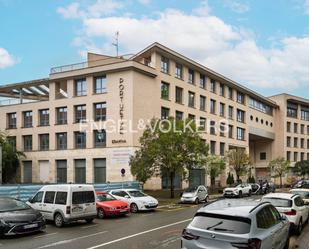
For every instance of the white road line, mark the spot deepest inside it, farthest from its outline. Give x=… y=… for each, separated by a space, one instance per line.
x=85 y=227
x=137 y=234
x=45 y=235
x=70 y=240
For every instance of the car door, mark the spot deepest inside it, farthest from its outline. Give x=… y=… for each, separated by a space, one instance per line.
x=301 y=208
x=36 y=201
x=203 y=193
x=200 y=193
x=48 y=205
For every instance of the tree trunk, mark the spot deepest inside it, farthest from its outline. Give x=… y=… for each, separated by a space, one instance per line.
x=172 y=184
x=212 y=182
x=280 y=181
x=238 y=178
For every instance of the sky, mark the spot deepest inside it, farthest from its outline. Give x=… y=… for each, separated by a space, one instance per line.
x=261 y=44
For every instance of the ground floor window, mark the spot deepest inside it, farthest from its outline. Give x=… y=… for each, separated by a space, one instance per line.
x=166 y=182
x=61 y=171
x=27 y=170
x=80 y=171
x=99 y=170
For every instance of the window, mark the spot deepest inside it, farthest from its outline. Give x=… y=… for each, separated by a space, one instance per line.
x=44 y=141
x=202 y=103
x=203 y=124
x=165 y=112
x=100 y=84
x=212 y=106
x=27 y=142
x=80 y=113
x=27 y=170
x=100 y=139
x=231 y=112
x=80 y=140
x=178 y=93
x=62 y=115
x=164 y=64
x=304 y=114
x=61 y=138
x=80 y=87
x=222 y=111
x=44 y=117
x=295 y=156
x=11 y=120
x=267 y=218
x=190 y=76
x=302 y=129
x=213 y=86
x=288 y=126
x=222 y=149
x=191 y=116
x=260 y=106
x=295 y=142
x=240 y=116
x=81 y=197
x=80 y=171
x=99 y=170
x=240 y=98
x=165 y=90
x=222 y=129
x=178 y=71
x=263 y=156
x=179 y=115
x=288 y=155
x=61 y=198
x=202 y=81
x=27 y=119
x=230 y=131
x=12 y=142
x=302 y=156
x=240 y=133
x=212 y=147
x=288 y=141
x=49 y=197
x=212 y=127
x=302 y=143
x=292 y=110
x=307 y=143
x=295 y=127
x=61 y=171
x=191 y=99
x=38 y=197
x=231 y=93
x=100 y=111
x=222 y=90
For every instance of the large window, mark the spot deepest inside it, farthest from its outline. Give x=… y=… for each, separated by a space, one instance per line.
x=99 y=170
x=100 y=84
x=240 y=98
x=11 y=120
x=212 y=106
x=165 y=112
x=100 y=111
x=191 y=99
x=62 y=113
x=260 y=106
x=231 y=131
x=178 y=71
x=212 y=147
x=240 y=133
x=292 y=110
x=165 y=90
x=179 y=115
x=231 y=112
x=288 y=141
x=178 y=93
x=304 y=115
x=44 y=117
x=212 y=85
x=164 y=64
x=99 y=138
x=222 y=109
x=27 y=142
x=44 y=141
x=27 y=119
x=80 y=170
x=302 y=129
x=240 y=116
x=212 y=128
x=202 y=81
x=231 y=93
x=80 y=87
x=288 y=126
x=222 y=90
x=61 y=140
x=61 y=171
x=191 y=76
x=202 y=103
x=222 y=149
x=80 y=113
x=80 y=140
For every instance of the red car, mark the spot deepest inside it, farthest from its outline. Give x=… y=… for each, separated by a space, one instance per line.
x=108 y=205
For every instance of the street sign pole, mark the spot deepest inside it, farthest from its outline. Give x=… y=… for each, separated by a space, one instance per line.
x=123 y=173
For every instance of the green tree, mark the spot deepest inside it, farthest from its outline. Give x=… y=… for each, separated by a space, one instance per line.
x=215 y=166
x=230 y=179
x=278 y=167
x=169 y=147
x=239 y=161
x=10 y=159
x=301 y=168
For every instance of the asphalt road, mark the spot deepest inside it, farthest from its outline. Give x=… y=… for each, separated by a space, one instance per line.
x=152 y=230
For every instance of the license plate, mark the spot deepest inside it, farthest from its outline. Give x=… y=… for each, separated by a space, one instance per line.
x=77 y=209
x=31 y=226
x=123 y=211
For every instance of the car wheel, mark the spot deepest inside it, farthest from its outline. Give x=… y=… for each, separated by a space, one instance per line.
x=240 y=194
x=196 y=201
x=59 y=222
x=90 y=220
x=101 y=213
x=287 y=243
x=133 y=208
x=299 y=227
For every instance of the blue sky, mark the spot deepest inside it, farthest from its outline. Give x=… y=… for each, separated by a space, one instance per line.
x=260 y=43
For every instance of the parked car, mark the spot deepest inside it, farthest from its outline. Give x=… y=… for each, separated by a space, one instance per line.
x=238 y=191
x=108 y=205
x=303 y=192
x=137 y=200
x=233 y=224
x=292 y=206
x=301 y=184
x=16 y=217
x=195 y=195
x=65 y=203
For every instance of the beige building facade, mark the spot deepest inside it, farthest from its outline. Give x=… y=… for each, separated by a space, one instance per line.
x=83 y=122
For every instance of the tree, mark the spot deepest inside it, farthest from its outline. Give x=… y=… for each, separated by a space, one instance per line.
x=215 y=166
x=230 y=179
x=301 y=168
x=278 y=167
x=168 y=147
x=239 y=161
x=10 y=159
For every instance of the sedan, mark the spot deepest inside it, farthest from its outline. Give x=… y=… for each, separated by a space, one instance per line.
x=16 y=217
x=107 y=205
x=195 y=195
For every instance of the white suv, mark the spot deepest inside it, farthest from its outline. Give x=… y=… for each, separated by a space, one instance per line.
x=231 y=224
x=238 y=191
x=292 y=206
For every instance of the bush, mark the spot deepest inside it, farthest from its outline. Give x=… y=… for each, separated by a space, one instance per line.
x=230 y=179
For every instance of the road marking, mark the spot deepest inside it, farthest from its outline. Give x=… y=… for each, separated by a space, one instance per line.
x=45 y=235
x=89 y=226
x=137 y=234
x=70 y=240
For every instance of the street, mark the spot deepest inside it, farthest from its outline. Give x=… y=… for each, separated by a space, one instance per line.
x=153 y=230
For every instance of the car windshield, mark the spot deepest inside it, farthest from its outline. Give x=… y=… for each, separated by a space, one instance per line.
x=105 y=197
x=136 y=193
x=302 y=194
x=191 y=189
x=278 y=202
x=12 y=205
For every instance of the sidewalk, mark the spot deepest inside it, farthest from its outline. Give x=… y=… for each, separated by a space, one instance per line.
x=302 y=241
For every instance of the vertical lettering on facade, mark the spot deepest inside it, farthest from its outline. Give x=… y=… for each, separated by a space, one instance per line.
x=121 y=105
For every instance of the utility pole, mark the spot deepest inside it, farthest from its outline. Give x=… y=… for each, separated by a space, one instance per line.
x=116 y=43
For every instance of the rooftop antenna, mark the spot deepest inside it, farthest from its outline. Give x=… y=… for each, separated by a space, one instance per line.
x=116 y=43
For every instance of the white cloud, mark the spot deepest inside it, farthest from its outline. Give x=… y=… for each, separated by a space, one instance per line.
x=71 y=11
x=306 y=7
x=236 y=6
x=6 y=59
x=144 y=2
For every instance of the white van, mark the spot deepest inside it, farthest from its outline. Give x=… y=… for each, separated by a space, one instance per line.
x=64 y=203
